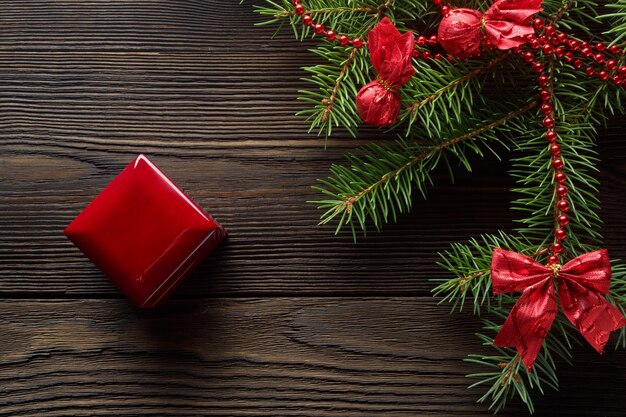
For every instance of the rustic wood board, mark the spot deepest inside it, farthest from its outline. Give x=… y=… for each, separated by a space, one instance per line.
x=330 y=328
x=256 y=357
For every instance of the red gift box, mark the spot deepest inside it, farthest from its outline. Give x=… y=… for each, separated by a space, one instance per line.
x=144 y=233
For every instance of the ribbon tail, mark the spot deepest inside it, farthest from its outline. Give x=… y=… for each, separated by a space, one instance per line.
x=594 y=317
x=529 y=322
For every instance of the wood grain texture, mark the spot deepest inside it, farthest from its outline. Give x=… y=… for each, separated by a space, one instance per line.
x=285 y=319
x=262 y=357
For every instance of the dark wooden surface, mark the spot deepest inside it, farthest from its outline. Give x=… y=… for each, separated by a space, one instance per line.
x=285 y=319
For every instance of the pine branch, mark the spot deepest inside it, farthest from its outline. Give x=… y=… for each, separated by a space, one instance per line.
x=379 y=185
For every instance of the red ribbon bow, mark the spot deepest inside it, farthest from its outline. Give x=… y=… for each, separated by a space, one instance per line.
x=582 y=283
x=505 y=25
x=378 y=102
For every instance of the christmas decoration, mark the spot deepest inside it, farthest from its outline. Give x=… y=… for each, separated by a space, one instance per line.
x=378 y=102
x=464 y=32
x=555 y=79
x=144 y=233
x=582 y=282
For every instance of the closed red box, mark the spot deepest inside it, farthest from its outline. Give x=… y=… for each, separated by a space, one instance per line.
x=144 y=233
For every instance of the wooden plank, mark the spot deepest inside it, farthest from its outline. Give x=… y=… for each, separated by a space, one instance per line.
x=314 y=357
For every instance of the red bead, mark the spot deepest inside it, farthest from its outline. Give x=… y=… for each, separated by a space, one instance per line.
x=557 y=247
x=562 y=205
x=562 y=37
x=611 y=65
x=445 y=10
x=344 y=40
x=599 y=58
x=548 y=122
x=603 y=75
x=559 y=52
x=600 y=46
x=538 y=24
x=426 y=55
x=545 y=95
x=555 y=41
x=586 y=52
x=555 y=149
x=590 y=71
x=547 y=49
x=614 y=49
x=538 y=67
x=543 y=80
x=432 y=40
x=546 y=108
x=295 y=1
x=299 y=9
x=357 y=43
x=421 y=40
x=578 y=63
x=622 y=70
x=551 y=136
x=561 y=191
x=573 y=44
x=553 y=260
x=528 y=56
x=563 y=220
x=584 y=44
x=550 y=30
x=560 y=234
x=569 y=57
x=331 y=35
x=144 y=233
x=534 y=43
x=318 y=29
x=437 y=2
x=560 y=177
x=557 y=163
x=438 y=56
x=616 y=79
x=416 y=53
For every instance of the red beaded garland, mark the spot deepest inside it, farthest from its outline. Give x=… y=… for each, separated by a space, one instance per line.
x=561 y=191
x=557 y=247
x=560 y=177
x=560 y=233
x=563 y=220
x=319 y=29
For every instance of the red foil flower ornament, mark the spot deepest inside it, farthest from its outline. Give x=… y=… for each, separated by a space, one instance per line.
x=505 y=25
x=378 y=102
x=582 y=284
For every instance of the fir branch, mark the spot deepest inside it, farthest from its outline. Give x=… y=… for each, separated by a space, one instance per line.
x=379 y=185
x=470 y=264
x=413 y=107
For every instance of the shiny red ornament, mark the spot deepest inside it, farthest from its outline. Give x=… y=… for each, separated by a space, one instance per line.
x=378 y=102
x=506 y=24
x=144 y=233
x=582 y=285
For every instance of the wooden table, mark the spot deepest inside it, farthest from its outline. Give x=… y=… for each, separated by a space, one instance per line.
x=285 y=319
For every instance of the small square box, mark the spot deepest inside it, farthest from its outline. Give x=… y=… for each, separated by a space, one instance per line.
x=144 y=233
